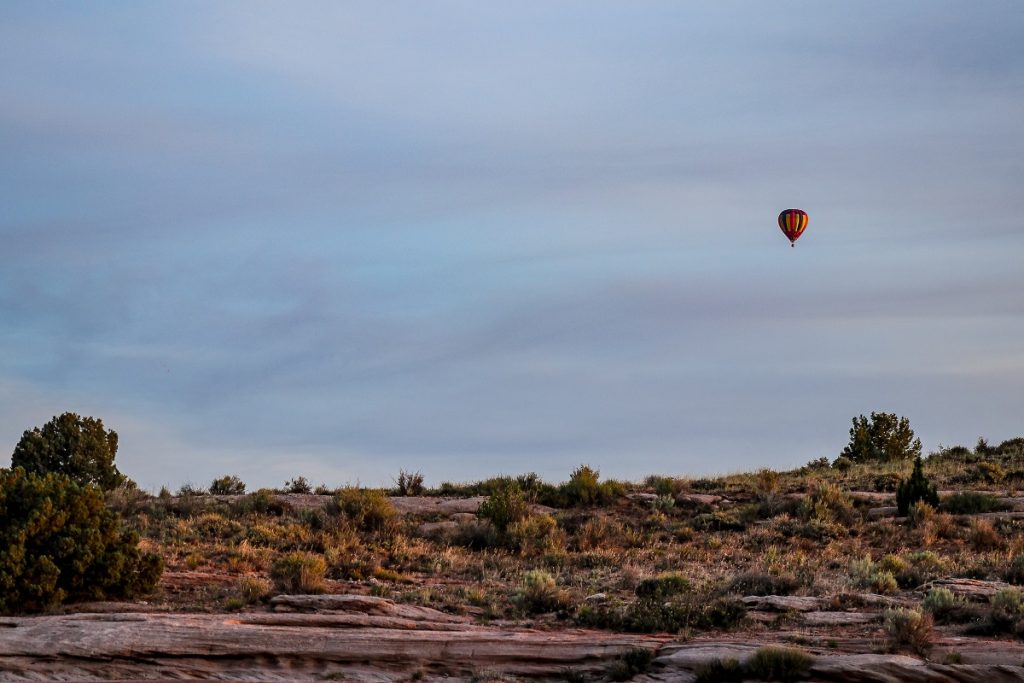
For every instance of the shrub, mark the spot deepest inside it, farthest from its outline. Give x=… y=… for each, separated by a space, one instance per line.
x=600 y=532
x=665 y=616
x=760 y=583
x=228 y=485
x=409 y=483
x=909 y=628
x=1015 y=571
x=920 y=514
x=774 y=663
x=914 y=489
x=78 y=447
x=720 y=670
x=261 y=502
x=718 y=521
x=884 y=582
x=635 y=662
x=61 y=544
x=536 y=535
x=842 y=463
x=864 y=573
x=254 y=589
x=298 y=485
x=883 y=437
x=938 y=601
x=662 y=587
x=767 y=487
x=504 y=507
x=1008 y=601
x=983 y=536
x=541 y=594
x=990 y=472
x=924 y=566
x=299 y=572
x=663 y=504
x=584 y=490
x=365 y=509
x=828 y=504
x=971 y=503
x=723 y=613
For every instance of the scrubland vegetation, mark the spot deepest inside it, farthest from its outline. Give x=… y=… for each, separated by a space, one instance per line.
x=666 y=554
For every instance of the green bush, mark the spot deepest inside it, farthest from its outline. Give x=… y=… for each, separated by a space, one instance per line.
x=759 y=583
x=635 y=662
x=828 y=504
x=585 y=490
x=647 y=615
x=971 y=503
x=774 y=663
x=409 y=483
x=299 y=572
x=78 y=447
x=504 y=507
x=662 y=587
x=536 y=535
x=883 y=437
x=541 y=594
x=909 y=629
x=1014 y=573
x=938 y=601
x=915 y=488
x=261 y=502
x=61 y=544
x=365 y=509
x=718 y=670
x=228 y=485
x=298 y=485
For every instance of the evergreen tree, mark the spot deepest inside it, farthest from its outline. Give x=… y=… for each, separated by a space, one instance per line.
x=916 y=488
x=883 y=437
x=59 y=543
x=78 y=447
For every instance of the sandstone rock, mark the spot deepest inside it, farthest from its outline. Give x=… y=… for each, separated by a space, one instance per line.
x=905 y=669
x=679 y=663
x=840 y=618
x=782 y=603
x=289 y=647
x=362 y=604
x=883 y=512
x=699 y=499
x=969 y=589
x=421 y=505
x=874 y=497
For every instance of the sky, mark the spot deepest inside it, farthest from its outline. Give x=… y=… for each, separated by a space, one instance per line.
x=338 y=240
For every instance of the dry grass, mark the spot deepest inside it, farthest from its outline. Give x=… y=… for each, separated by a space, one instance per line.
x=772 y=532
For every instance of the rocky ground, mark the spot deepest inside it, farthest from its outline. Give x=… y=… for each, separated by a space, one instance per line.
x=364 y=638
x=372 y=630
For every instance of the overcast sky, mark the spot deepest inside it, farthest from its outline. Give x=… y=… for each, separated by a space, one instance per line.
x=339 y=239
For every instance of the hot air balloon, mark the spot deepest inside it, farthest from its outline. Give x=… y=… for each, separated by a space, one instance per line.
x=793 y=223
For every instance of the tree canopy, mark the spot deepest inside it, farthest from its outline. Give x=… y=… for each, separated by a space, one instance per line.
x=884 y=437
x=61 y=544
x=78 y=447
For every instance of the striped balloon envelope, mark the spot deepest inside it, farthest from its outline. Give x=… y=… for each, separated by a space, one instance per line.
x=793 y=223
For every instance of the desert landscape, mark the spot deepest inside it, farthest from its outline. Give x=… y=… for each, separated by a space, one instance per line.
x=518 y=342
x=809 y=574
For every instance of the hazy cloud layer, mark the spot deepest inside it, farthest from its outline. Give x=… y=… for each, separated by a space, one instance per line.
x=466 y=239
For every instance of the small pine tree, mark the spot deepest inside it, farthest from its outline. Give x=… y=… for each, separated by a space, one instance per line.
x=916 y=488
x=884 y=437
x=76 y=446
